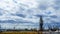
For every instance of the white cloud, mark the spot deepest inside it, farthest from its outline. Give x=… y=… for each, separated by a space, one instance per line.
x=29 y=8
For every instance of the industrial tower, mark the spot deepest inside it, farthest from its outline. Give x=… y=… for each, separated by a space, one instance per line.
x=41 y=24
x=40 y=31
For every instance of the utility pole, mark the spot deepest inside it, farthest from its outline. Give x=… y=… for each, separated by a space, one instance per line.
x=40 y=26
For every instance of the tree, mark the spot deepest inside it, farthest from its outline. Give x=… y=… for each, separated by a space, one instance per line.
x=26 y=29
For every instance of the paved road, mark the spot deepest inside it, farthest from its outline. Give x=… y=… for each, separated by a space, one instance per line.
x=51 y=32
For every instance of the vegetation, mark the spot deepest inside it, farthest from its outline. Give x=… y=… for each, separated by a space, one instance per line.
x=21 y=32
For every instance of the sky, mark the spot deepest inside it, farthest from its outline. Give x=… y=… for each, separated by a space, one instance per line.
x=26 y=13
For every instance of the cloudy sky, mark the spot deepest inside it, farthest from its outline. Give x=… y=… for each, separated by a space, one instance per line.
x=25 y=13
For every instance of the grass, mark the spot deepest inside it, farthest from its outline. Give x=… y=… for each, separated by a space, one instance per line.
x=22 y=32
x=28 y=32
